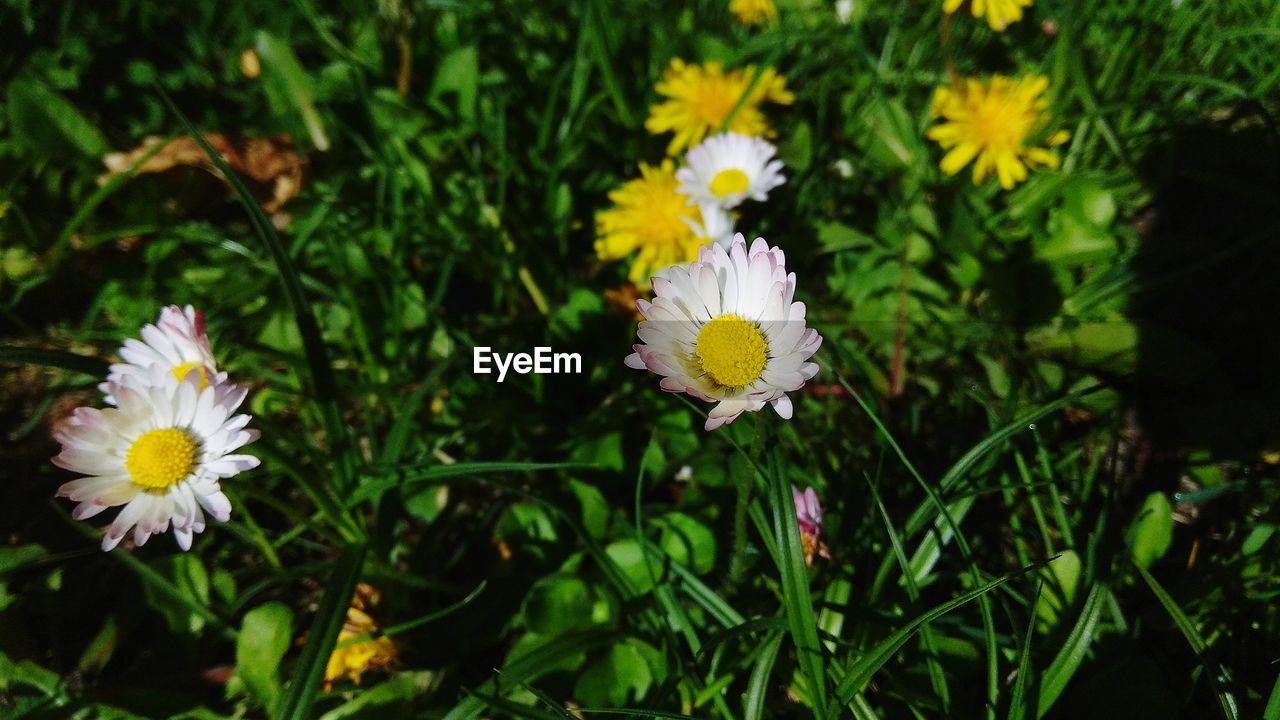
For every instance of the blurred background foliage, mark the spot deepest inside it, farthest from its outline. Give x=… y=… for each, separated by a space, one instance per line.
x=433 y=169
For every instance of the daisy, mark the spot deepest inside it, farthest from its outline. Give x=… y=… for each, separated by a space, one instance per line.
x=651 y=219
x=177 y=343
x=1000 y=13
x=753 y=12
x=716 y=225
x=809 y=518
x=353 y=659
x=724 y=329
x=701 y=98
x=161 y=454
x=728 y=168
x=996 y=121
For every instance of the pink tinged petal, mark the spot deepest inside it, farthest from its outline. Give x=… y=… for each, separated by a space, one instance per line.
x=671 y=385
x=86 y=510
x=783 y=407
x=634 y=362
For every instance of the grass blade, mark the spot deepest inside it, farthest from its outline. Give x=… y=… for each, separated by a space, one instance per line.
x=1217 y=674
x=53 y=358
x=758 y=683
x=531 y=667
x=436 y=473
x=1055 y=678
x=1272 y=711
x=797 y=601
x=860 y=673
x=320 y=368
x=309 y=671
x=1018 y=703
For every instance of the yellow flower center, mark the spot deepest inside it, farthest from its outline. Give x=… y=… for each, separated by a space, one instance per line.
x=161 y=458
x=732 y=351
x=729 y=182
x=181 y=371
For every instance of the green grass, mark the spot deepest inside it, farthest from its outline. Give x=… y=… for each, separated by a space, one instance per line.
x=1043 y=433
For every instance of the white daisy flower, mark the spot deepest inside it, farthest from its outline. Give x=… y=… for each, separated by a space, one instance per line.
x=724 y=329
x=177 y=343
x=160 y=454
x=716 y=224
x=728 y=168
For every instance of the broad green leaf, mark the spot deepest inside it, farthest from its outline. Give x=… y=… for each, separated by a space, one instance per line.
x=557 y=604
x=1151 y=533
x=289 y=88
x=622 y=676
x=688 y=541
x=459 y=72
x=48 y=125
x=265 y=635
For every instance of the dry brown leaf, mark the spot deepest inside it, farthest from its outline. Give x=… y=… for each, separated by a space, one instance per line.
x=270 y=167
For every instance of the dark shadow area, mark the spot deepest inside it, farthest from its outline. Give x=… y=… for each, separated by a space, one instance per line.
x=1206 y=296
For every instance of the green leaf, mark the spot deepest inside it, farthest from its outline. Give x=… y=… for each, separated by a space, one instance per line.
x=288 y=86
x=47 y=124
x=1218 y=677
x=459 y=72
x=558 y=604
x=629 y=557
x=688 y=541
x=1151 y=533
x=309 y=671
x=620 y=677
x=265 y=635
x=1064 y=575
x=1111 y=346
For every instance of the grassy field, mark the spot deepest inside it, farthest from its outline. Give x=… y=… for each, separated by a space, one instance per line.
x=1039 y=243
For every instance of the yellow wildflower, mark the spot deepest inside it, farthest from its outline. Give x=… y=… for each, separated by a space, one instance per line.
x=701 y=98
x=374 y=653
x=996 y=121
x=1000 y=13
x=649 y=216
x=753 y=12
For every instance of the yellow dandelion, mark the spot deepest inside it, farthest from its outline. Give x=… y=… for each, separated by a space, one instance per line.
x=753 y=12
x=1000 y=13
x=352 y=659
x=651 y=218
x=996 y=121
x=701 y=98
